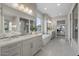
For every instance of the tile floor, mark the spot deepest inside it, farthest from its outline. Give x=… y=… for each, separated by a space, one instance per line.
x=57 y=47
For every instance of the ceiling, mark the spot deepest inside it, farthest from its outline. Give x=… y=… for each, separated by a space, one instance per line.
x=54 y=9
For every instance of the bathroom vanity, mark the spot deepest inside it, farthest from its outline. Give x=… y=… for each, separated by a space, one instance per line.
x=26 y=45
x=46 y=38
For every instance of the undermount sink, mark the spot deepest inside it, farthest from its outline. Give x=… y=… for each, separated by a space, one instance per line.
x=9 y=38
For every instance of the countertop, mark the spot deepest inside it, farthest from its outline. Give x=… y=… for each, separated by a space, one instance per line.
x=6 y=41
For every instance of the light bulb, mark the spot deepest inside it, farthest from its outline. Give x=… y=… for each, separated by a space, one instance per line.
x=21 y=7
x=30 y=12
x=26 y=9
x=15 y=4
x=58 y=4
x=45 y=8
x=49 y=21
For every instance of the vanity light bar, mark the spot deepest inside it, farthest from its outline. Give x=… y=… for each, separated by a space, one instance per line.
x=21 y=7
x=26 y=9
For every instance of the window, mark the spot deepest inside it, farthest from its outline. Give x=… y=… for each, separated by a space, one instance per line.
x=38 y=24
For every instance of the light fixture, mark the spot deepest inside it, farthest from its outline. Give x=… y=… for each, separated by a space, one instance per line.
x=45 y=8
x=10 y=26
x=26 y=9
x=15 y=5
x=49 y=21
x=30 y=12
x=14 y=26
x=21 y=7
x=58 y=4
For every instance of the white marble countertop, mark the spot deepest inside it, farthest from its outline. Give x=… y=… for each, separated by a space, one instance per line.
x=6 y=41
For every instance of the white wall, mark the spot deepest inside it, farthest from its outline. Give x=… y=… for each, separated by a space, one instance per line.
x=45 y=22
x=73 y=44
x=78 y=28
x=1 y=19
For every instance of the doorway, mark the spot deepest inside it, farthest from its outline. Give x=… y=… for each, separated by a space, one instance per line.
x=61 y=28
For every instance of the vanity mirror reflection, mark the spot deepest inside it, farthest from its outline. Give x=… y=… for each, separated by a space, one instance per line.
x=39 y=25
x=9 y=27
x=32 y=26
x=49 y=26
x=9 y=23
x=75 y=23
x=24 y=25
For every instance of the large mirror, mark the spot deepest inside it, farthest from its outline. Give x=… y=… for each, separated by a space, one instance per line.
x=49 y=26
x=0 y=17
x=75 y=22
x=24 y=25
x=9 y=23
x=38 y=24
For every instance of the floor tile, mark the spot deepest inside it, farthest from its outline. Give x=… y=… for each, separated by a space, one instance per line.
x=57 y=47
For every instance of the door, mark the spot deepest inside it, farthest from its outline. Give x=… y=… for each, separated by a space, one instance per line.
x=27 y=49
x=36 y=44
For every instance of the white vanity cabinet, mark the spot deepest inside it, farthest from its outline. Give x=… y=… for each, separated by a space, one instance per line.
x=22 y=46
x=27 y=48
x=31 y=46
x=13 y=49
x=36 y=44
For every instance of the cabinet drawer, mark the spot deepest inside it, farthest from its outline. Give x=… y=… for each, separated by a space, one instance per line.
x=37 y=44
x=14 y=52
x=10 y=46
x=11 y=54
x=12 y=49
x=27 y=50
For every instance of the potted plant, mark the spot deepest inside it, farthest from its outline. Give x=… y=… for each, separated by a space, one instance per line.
x=33 y=28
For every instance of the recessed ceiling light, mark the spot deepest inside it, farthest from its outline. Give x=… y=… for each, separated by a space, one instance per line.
x=45 y=8
x=58 y=4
